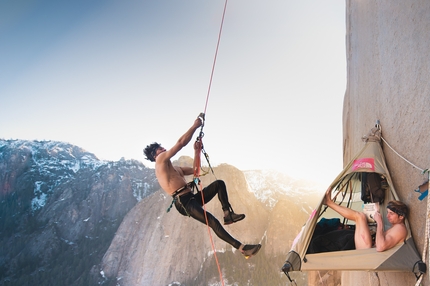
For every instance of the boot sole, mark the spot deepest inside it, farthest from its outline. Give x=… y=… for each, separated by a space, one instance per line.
x=253 y=253
x=233 y=221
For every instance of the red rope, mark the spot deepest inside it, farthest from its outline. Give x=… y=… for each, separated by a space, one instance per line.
x=211 y=239
x=197 y=168
x=215 y=57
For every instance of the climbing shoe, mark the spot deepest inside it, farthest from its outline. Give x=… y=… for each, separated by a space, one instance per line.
x=250 y=249
x=232 y=217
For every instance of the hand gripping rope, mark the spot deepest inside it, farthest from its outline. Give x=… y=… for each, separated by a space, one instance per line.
x=198 y=145
x=199 y=148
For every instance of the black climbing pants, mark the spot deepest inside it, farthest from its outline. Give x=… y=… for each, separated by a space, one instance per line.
x=192 y=205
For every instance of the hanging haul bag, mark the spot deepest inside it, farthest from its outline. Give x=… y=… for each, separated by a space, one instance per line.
x=372 y=188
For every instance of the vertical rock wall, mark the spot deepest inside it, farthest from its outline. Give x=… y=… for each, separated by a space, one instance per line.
x=388 y=74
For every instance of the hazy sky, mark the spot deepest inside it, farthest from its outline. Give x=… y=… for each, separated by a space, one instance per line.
x=114 y=76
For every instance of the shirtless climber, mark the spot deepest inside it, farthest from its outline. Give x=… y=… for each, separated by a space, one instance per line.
x=172 y=180
x=396 y=214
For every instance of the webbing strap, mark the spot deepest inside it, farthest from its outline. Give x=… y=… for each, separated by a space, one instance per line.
x=171 y=205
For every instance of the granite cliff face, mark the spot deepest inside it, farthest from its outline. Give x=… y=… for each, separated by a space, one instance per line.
x=69 y=218
x=388 y=73
x=153 y=246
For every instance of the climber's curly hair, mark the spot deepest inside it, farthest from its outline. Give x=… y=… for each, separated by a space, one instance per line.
x=150 y=151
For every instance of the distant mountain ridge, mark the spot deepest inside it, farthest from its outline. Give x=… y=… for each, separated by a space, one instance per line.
x=67 y=216
x=60 y=204
x=55 y=163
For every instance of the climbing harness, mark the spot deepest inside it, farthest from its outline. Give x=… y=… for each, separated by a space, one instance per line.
x=176 y=196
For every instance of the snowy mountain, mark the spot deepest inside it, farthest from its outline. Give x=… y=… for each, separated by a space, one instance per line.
x=60 y=204
x=55 y=163
x=269 y=186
